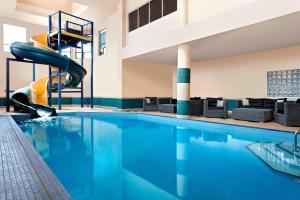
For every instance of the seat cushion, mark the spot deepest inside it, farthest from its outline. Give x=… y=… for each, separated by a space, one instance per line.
x=215 y=108
x=269 y=103
x=245 y=102
x=220 y=103
x=256 y=103
x=151 y=100
x=164 y=100
x=212 y=102
x=280 y=108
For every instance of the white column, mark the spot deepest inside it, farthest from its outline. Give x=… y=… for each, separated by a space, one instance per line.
x=182 y=6
x=183 y=80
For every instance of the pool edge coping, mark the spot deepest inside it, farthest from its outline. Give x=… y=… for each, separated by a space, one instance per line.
x=222 y=123
x=54 y=188
x=187 y=119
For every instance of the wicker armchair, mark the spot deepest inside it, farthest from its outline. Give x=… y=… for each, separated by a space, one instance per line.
x=196 y=107
x=150 y=104
x=210 y=109
x=167 y=105
x=287 y=113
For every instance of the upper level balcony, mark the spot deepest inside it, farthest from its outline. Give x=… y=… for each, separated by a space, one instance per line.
x=246 y=23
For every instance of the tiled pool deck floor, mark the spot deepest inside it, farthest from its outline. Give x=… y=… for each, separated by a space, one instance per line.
x=23 y=174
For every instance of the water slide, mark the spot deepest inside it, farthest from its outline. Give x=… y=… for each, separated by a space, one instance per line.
x=34 y=98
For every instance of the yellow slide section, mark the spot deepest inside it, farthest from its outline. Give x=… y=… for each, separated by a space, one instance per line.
x=39 y=92
x=39 y=88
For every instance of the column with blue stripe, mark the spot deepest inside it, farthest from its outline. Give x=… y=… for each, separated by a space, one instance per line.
x=183 y=80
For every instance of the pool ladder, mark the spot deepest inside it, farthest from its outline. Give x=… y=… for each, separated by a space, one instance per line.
x=296 y=141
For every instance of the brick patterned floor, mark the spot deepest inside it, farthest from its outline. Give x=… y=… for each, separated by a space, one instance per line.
x=23 y=174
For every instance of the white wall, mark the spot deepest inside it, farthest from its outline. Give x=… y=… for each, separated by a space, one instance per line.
x=21 y=73
x=142 y=79
x=240 y=76
x=160 y=27
x=133 y=4
x=110 y=79
x=235 y=16
x=201 y=9
x=107 y=68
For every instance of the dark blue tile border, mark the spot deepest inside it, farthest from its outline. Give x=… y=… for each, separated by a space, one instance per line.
x=232 y=103
x=109 y=102
x=125 y=103
x=2 y=101
x=119 y=103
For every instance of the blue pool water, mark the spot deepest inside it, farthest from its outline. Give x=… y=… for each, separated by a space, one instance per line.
x=119 y=156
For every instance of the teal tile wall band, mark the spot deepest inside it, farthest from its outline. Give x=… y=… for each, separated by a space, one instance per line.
x=2 y=101
x=108 y=102
x=119 y=103
x=183 y=75
x=113 y=102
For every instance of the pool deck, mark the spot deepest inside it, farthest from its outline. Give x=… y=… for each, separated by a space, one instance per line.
x=230 y=121
x=23 y=174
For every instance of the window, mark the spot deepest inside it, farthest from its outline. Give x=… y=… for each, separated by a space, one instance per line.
x=102 y=42
x=155 y=10
x=66 y=52
x=12 y=34
x=151 y=11
x=144 y=15
x=169 y=6
x=133 y=20
x=86 y=51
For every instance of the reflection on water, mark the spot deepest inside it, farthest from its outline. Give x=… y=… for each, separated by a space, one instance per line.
x=116 y=158
x=182 y=161
x=60 y=141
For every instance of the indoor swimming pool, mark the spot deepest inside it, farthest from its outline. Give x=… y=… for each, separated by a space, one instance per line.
x=126 y=156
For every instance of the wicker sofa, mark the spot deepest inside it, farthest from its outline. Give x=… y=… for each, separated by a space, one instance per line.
x=167 y=105
x=258 y=110
x=260 y=103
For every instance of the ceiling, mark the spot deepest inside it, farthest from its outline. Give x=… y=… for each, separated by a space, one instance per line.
x=36 y=11
x=46 y=7
x=273 y=34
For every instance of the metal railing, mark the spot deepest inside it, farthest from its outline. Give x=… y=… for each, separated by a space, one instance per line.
x=296 y=141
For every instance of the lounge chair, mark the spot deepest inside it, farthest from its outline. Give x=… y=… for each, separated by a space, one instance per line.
x=150 y=104
x=288 y=113
x=212 y=109
x=167 y=105
x=196 y=106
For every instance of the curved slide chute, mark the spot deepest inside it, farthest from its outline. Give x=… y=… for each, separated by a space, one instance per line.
x=34 y=98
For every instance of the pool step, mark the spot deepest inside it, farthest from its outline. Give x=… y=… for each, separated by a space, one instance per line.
x=277 y=156
x=290 y=148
